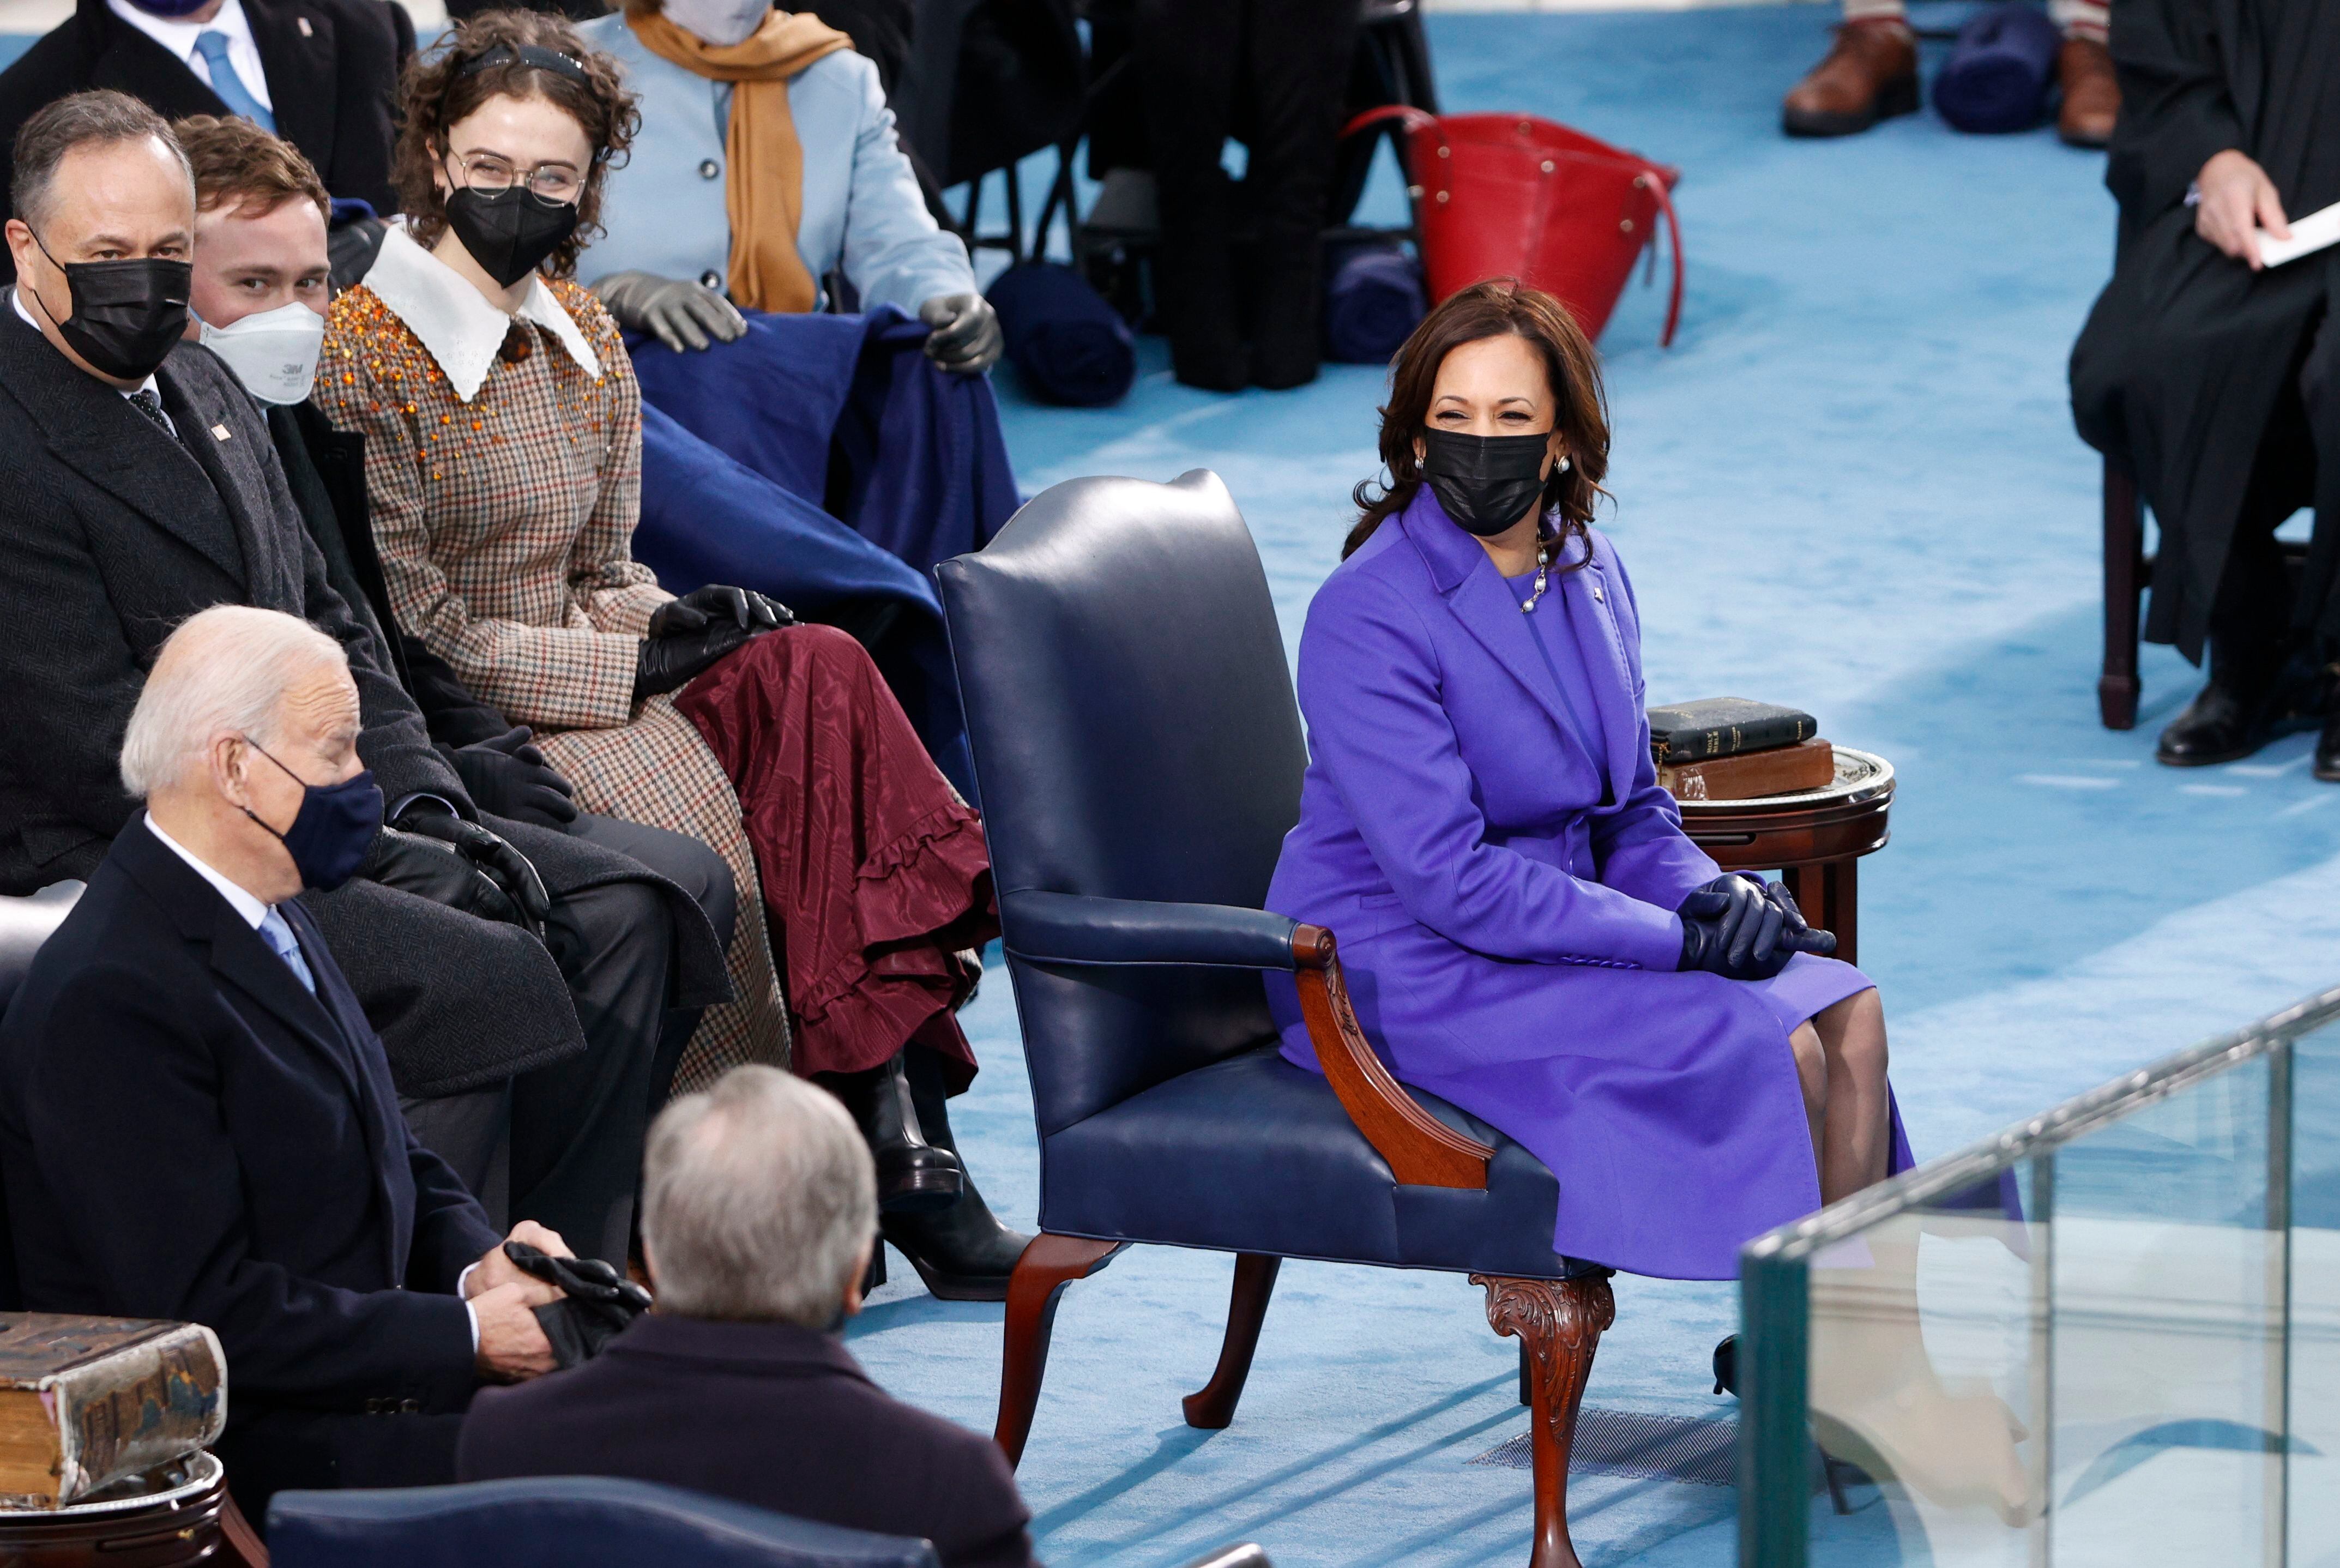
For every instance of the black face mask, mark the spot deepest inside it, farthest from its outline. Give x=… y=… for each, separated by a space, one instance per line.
x=333 y=828
x=127 y=316
x=509 y=232
x=1485 y=482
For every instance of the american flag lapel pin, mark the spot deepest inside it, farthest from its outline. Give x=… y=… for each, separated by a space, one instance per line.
x=306 y=31
x=221 y=432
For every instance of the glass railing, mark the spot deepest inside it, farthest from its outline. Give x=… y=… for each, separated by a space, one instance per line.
x=2109 y=1336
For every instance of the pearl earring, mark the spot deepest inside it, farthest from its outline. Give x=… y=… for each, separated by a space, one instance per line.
x=1563 y=466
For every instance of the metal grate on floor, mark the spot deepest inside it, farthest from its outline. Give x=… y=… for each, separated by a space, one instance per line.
x=1701 y=1451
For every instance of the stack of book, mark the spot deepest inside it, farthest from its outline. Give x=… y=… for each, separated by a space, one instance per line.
x=1729 y=749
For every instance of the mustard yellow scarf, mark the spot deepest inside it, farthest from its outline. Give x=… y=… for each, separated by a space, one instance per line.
x=763 y=185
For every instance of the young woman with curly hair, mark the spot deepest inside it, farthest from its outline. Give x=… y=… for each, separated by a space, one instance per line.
x=503 y=463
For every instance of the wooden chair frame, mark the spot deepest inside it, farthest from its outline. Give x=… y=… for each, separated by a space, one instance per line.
x=1558 y=1321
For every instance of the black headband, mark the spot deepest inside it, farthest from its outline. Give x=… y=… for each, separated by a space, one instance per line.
x=551 y=60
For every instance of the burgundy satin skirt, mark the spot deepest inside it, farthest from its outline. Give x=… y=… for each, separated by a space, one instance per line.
x=875 y=872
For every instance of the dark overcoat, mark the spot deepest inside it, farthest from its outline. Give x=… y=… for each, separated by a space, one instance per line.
x=332 y=65
x=187 y=1133
x=2190 y=360
x=766 y=1414
x=111 y=534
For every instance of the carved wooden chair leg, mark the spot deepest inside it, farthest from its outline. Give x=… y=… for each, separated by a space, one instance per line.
x=1047 y=1265
x=240 y=1544
x=1559 y=1322
x=1214 y=1407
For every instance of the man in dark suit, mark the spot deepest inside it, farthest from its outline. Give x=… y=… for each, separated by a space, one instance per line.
x=323 y=74
x=196 y=1122
x=137 y=486
x=760 y=1202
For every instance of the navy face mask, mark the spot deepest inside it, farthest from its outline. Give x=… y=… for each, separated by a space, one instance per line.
x=1487 y=483
x=332 y=830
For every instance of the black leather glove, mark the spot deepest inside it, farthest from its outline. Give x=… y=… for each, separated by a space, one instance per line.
x=486 y=851
x=507 y=777
x=681 y=312
x=597 y=1302
x=704 y=607
x=1730 y=928
x=1798 y=932
x=676 y=658
x=965 y=335
x=431 y=870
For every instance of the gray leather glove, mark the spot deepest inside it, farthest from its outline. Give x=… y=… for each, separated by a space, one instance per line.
x=964 y=333
x=681 y=312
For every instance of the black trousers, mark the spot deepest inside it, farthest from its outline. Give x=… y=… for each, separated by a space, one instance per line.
x=2297 y=465
x=1274 y=73
x=578 y=1126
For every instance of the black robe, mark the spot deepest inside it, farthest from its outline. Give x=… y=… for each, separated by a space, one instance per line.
x=2190 y=363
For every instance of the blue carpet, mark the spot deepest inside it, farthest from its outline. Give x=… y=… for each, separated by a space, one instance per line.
x=1852 y=484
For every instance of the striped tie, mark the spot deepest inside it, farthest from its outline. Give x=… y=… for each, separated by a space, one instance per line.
x=212 y=45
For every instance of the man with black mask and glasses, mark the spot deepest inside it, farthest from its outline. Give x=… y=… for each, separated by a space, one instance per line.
x=137 y=487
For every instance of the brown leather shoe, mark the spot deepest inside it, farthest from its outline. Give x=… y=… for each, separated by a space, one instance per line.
x=1870 y=74
x=2091 y=93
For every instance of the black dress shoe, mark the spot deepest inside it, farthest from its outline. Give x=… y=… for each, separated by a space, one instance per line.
x=2232 y=716
x=1726 y=1367
x=914 y=1176
x=963 y=1253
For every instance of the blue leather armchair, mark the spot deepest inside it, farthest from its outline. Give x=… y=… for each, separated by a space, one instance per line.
x=1139 y=753
x=563 y=1522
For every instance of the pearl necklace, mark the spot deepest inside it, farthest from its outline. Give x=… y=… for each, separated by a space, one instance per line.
x=1544 y=578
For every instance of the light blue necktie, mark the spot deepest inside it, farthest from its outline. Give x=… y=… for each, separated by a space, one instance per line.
x=212 y=45
x=277 y=932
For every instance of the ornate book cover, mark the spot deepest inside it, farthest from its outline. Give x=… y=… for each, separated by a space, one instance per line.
x=85 y=1401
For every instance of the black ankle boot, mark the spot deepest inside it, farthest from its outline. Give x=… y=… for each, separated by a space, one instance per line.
x=2232 y=715
x=963 y=1253
x=914 y=1176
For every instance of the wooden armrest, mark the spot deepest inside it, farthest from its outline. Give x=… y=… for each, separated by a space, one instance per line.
x=1422 y=1150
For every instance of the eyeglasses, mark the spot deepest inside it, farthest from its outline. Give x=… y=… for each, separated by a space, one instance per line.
x=493 y=172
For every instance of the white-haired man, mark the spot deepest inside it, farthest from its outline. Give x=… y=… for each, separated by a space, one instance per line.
x=759 y=1206
x=196 y=1122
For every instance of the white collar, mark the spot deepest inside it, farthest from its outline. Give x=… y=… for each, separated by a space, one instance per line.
x=179 y=35
x=455 y=322
x=26 y=317
x=250 y=908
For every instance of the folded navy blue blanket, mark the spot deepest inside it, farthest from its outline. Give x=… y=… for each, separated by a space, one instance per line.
x=2000 y=69
x=1068 y=343
x=1374 y=298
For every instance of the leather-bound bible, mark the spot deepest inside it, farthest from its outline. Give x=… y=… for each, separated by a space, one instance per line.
x=1751 y=775
x=1724 y=727
x=86 y=1401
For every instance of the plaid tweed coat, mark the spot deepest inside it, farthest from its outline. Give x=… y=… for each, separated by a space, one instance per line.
x=503 y=463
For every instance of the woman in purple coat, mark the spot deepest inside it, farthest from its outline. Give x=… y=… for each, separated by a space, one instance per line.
x=1526 y=931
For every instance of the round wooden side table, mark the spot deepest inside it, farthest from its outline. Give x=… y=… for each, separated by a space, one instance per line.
x=179 y=1517
x=1814 y=839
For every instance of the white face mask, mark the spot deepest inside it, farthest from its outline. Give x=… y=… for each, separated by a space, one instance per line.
x=719 y=22
x=273 y=352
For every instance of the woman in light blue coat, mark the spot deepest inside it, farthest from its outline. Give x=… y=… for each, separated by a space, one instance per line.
x=668 y=255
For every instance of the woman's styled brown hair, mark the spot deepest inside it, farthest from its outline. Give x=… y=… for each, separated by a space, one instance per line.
x=1496 y=308
x=439 y=95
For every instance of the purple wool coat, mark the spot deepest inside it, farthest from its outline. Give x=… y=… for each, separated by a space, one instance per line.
x=1503 y=889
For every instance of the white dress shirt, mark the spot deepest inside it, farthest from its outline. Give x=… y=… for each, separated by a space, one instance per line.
x=251 y=911
x=179 y=36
